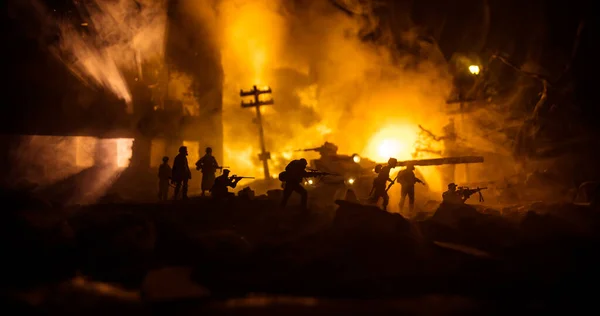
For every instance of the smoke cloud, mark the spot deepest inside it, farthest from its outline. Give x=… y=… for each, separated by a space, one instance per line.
x=113 y=37
x=332 y=78
x=328 y=83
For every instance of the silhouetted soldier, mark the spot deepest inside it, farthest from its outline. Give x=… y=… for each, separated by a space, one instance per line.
x=181 y=173
x=208 y=164
x=164 y=176
x=452 y=197
x=377 y=170
x=381 y=181
x=407 y=180
x=220 y=189
x=295 y=173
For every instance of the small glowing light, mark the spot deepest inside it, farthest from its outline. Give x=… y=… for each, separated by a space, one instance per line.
x=351 y=180
x=266 y=88
x=310 y=181
x=84 y=24
x=356 y=158
x=474 y=69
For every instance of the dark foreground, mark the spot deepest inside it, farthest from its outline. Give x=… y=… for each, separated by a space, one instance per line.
x=249 y=258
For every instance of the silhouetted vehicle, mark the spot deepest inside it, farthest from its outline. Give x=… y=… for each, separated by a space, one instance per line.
x=352 y=171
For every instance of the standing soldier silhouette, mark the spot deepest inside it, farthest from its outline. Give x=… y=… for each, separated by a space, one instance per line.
x=407 y=180
x=294 y=174
x=380 y=183
x=164 y=176
x=208 y=164
x=181 y=173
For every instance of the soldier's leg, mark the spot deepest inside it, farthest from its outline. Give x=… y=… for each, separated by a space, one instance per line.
x=166 y=192
x=287 y=192
x=303 y=196
x=386 y=200
x=177 y=189
x=402 y=199
x=184 y=190
x=162 y=191
x=411 y=199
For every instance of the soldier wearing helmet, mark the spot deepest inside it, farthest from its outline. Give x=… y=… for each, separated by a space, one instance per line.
x=407 y=180
x=208 y=164
x=181 y=173
x=295 y=172
x=452 y=196
x=164 y=175
x=380 y=183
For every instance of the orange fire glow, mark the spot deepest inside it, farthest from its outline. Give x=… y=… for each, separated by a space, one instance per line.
x=393 y=141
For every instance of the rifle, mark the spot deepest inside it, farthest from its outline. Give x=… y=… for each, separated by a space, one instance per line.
x=466 y=193
x=234 y=177
x=320 y=174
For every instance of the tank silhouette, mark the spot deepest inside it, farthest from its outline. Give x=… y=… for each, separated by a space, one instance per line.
x=352 y=171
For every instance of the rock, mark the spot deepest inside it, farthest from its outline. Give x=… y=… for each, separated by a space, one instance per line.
x=171 y=283
x=275 y=194
x=367 y=218
x=351 y=196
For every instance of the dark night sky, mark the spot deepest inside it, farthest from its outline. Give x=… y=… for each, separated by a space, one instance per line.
x=37 y=83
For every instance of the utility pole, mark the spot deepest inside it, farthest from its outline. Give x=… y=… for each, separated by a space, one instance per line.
x=264 y=156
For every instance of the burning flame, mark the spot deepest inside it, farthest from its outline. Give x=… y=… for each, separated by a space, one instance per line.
x=394 y=141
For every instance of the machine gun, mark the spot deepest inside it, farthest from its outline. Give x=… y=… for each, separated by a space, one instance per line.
x=315 y=173
x=466 y=193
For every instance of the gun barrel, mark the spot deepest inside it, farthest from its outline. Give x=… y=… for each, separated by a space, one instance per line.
x=441 y=161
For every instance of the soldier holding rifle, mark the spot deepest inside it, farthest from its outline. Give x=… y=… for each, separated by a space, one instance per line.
x=292 y=178
x=220 y=189
x=459 y=195
x=208 y=164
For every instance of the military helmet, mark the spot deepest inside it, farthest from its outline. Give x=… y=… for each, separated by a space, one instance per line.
x=208 y=150
x=378 y=168
x=451 y=185
x=392 y=161
x=410 y=167
x=183 y=149
x=225 y=171
x=165 y=159
x=303 y=161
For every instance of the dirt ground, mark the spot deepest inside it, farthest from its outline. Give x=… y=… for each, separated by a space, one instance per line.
x=248 y=257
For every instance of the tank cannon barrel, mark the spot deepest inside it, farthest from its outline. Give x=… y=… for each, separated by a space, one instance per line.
x=440 y=161
x=310 y=149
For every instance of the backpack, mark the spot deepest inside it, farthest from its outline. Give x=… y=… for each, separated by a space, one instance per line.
x=283 y=176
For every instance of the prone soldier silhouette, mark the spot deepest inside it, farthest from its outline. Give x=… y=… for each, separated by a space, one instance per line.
x=181 y=173
x=208 y=165
x=220 y=188
x=380 y=183
x=164 y=176
x=407 y=180
x=459 y=195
